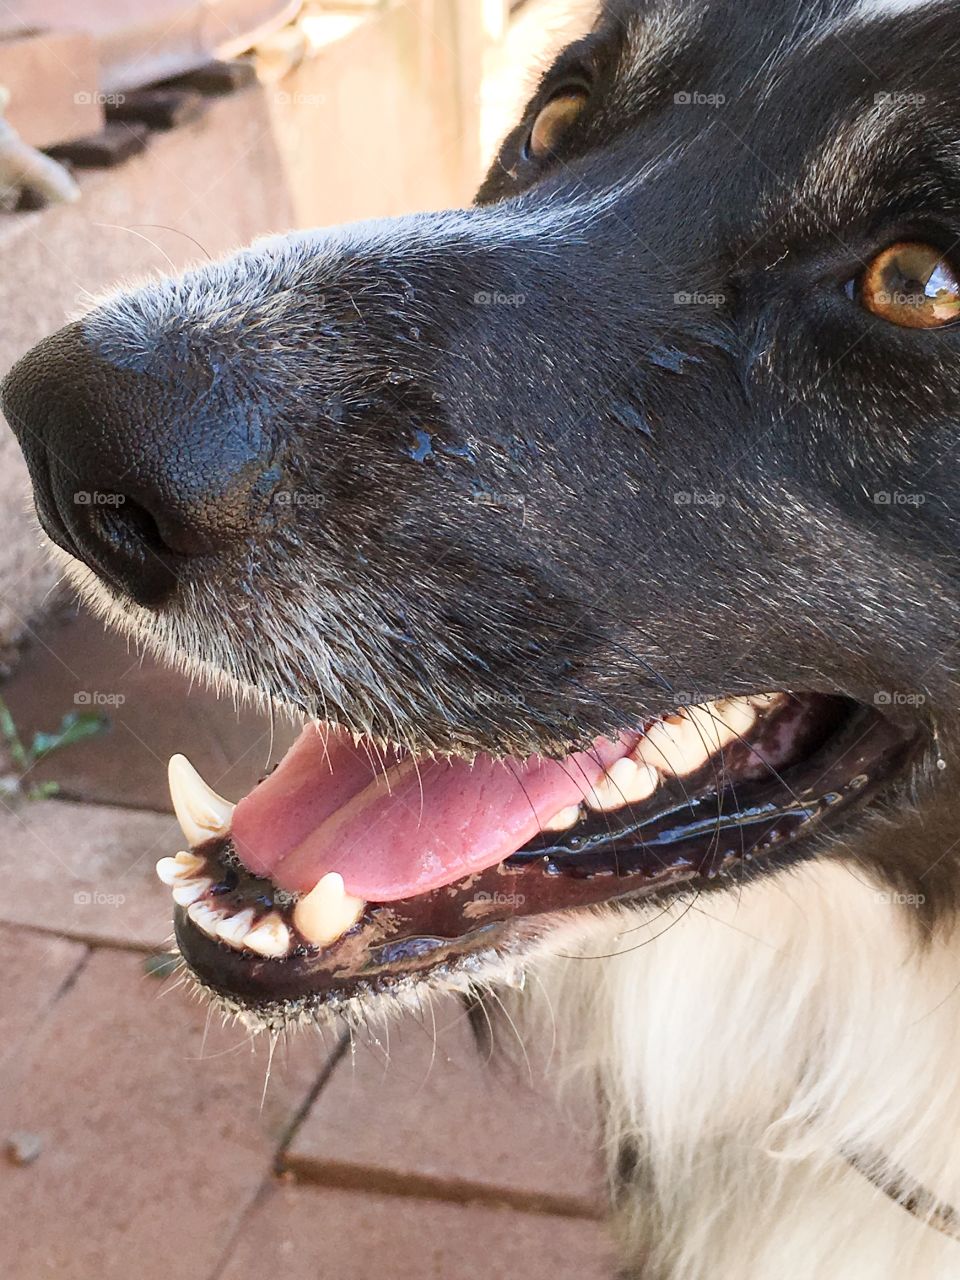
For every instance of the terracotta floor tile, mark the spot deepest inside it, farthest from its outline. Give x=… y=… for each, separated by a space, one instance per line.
x=72 y=663
x=31 y=70
x=87 y=871
x=308 y=1233
x=407 y=1116
x=154 y=1142
x=35 y=969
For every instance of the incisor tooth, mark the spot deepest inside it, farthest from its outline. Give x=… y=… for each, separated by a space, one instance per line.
x=270 y=937
x=327 y=911
x=235 y=928
x=191 y=861
x=168 y=871
x=200 y=811
x=626 y=782
x=183 y=867
x=189 y=891
x=205 y=917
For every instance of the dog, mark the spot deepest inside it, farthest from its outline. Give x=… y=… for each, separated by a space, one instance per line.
x=605 y=534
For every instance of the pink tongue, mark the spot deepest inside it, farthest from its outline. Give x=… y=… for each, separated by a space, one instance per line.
x=412 y=831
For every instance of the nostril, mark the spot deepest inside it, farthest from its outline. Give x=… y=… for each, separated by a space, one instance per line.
x=125 y=521
x=122 y=541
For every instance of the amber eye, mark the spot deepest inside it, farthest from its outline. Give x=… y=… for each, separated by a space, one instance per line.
x=912 y=285
x=554 y=120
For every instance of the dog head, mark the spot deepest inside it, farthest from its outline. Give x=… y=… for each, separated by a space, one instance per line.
x=607 y=527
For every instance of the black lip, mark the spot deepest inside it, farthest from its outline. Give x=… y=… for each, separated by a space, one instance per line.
x=685 y=843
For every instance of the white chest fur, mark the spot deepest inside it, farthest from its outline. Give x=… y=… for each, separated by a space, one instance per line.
x=743 y=1042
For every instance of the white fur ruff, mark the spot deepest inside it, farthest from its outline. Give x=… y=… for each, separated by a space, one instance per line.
x=741 y=1043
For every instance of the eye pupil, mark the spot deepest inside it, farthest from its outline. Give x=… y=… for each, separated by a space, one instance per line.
x=912 y=285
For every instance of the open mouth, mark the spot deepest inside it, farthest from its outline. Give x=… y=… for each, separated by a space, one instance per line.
x=347 y=872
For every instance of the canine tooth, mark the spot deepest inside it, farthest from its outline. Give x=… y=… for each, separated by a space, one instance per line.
x=626 y=782
x=234 y=929
x=270 y=937
x=188 y=891
x=183 y=867
x=564 y=820
x=200 y=811
x=205 y=917
x=327 y=911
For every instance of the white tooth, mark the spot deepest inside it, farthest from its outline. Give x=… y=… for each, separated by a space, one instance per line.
x=676 y=746
x=763 y=701
x=168 y=871
x=183 y=867
x=234 y=929
x=327 y=911
x=270 y=937
x=206 y=918
x=686 y=742
x=564 y=820
x=190 y=861
x=733 y=718
x=626 y=782
x=200 y=811
x=188 y=891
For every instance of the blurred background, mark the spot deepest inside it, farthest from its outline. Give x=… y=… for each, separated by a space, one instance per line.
x=139 y=1137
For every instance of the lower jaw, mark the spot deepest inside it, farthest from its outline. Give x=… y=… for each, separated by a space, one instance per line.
x=695 y=838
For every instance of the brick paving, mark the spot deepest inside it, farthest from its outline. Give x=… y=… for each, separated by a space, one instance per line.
x=366 y=1237
x=162 y=1149
x=415 y=1108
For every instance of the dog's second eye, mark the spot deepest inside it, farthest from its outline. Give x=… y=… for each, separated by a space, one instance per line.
x=553 y=122
x=912 y=285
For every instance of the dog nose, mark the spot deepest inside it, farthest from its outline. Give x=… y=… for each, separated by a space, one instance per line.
x=138 y=466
